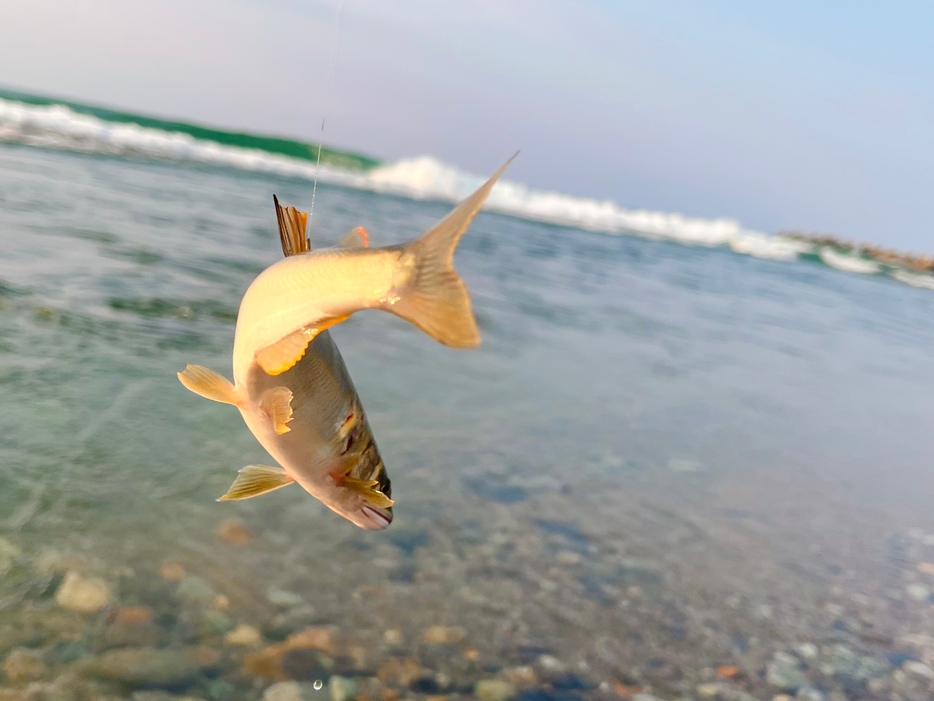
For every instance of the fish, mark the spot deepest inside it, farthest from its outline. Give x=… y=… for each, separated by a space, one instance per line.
x=290 y=383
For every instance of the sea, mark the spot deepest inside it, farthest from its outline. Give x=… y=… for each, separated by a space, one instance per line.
x=689 y=460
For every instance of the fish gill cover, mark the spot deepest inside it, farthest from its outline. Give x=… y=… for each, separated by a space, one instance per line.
x=54 y=123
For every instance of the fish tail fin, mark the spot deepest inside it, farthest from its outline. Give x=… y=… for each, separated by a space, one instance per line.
x=208 y=384
x=432 y=295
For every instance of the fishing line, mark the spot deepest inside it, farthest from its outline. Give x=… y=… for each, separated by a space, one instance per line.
x=327 y=95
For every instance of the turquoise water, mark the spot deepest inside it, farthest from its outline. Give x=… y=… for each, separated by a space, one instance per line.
x=661 y=459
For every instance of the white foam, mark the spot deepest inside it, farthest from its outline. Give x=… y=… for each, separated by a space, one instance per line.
x=914 y=279
x=58 y=126
x=848 y=263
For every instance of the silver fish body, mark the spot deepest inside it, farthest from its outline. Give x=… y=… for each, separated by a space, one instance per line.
x=328 y=429
x=290 y=382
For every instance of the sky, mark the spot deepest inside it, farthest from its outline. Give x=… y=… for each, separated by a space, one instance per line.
x=795 y=115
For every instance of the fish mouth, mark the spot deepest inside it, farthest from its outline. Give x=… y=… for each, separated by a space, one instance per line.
x=379 y=519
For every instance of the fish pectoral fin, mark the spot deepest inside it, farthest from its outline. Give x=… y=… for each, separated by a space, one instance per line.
x=277 y=405
x=433 y=297
x=282 y=355
x=254 y=480
x=292 y=225
x=365 y=488
x=357 y=238
x=209 y=384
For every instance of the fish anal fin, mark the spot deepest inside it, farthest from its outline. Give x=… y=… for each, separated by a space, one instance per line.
x=276 y=403
x=282 y=355
x=357 y=238
x=255 y=480
x=208 y=384
x=292 y=226
x=430 y=294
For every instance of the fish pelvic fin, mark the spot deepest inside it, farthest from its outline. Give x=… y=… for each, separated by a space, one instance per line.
x=367 y=489
x=254 y=480
x=209 y=384
x=292 y=229
x=276 y=404
x=357 y=238
x=430 y=294
x=282 y=355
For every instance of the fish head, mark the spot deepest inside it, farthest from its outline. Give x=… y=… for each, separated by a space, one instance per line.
x=368 y=516
x=364 y=495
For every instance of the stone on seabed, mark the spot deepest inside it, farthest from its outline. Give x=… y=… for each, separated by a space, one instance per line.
x=342 y=688
x=146 y=667
x=493 y=690
x=244 y=636
x=444 y=635
x=284 y=691
x=233 y=531
x=85 y=595
x=785 y=673
x=23 y=665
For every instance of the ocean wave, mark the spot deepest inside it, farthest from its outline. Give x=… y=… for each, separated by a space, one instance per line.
x=67 y=126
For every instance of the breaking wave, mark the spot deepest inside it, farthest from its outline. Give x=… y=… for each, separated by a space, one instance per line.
x=49 y=123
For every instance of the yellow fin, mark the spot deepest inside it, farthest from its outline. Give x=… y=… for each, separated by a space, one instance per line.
x=209 y=384
x=365 y=488
x=254 y=480
x=433 y=297
x=292 y=225
x=277 y=405
x=357 y=238
x=282 y=355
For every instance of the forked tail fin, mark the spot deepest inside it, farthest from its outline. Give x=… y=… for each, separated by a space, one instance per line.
x=432 y=296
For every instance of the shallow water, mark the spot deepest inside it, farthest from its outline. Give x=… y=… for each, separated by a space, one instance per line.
x=662 y=459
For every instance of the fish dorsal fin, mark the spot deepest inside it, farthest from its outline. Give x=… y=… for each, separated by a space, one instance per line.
x=357 y=238
x=292 y=229
x=254 y=480
x=282 y=355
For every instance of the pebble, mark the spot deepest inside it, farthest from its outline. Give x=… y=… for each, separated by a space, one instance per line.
x=132 y=635
x=82 y=594
x=493 y=690
x=283 y=599
x=171 y=571
x=708 y=691
x=284 y=691
x=195 y=589
x=342 y=688
x=810 y=693
x=158 y=696
x=149 y=667
x=807 y=651
x=520 y=676
x=129 y=615
x=316 y=637
x=550 y=664
x=728 y=671
x=918 y=592
x=233 y=531
x=244 y=635
x=393 y=637
x=926 y=567
x=918 y=669
x=443 y=635
x=784 y=672
x=23 y=665
x=9 y=552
